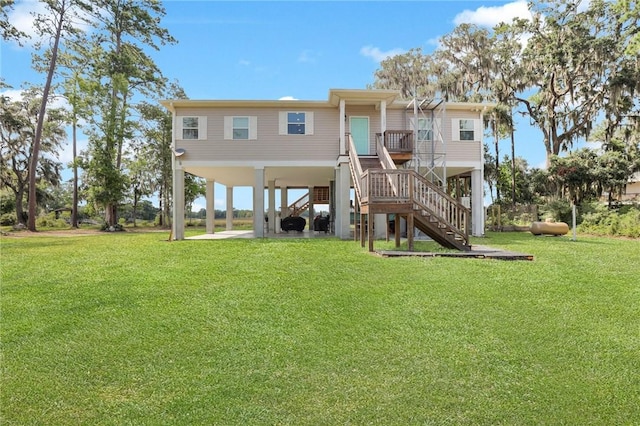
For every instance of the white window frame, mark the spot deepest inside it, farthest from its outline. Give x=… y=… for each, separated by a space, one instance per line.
x=456 y=129
x=284 y=123
x=229 y=128
x=200 y=128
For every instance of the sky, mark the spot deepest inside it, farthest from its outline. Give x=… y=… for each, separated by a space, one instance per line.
x=289 y=49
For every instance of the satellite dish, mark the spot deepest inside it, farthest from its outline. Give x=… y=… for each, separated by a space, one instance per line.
x=179 y=152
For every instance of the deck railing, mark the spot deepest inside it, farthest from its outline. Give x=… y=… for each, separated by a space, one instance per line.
x=400 y=186
x=397 y=140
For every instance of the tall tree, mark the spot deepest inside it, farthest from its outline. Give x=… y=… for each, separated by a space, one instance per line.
x=18 y=123
x=566 y=62
x=9 y=32
x=57 y=23
x=123 y=69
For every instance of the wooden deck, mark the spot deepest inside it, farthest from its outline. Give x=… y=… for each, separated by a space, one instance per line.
x=476 y=252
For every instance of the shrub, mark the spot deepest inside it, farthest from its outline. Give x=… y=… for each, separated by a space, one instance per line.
x=8 y=219
x=603 y=221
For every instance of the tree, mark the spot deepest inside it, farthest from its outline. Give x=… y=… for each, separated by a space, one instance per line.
x=121 y=69
x=9 y=32
x=18 y=126
x=57 y=23
x=567 y=62
x=194 y=187
x=409 y=73
x=156 y=135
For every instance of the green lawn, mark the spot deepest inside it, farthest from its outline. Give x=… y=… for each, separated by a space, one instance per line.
x=128 y=328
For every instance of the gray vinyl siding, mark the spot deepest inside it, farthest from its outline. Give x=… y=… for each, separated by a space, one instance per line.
x=323 y=145
x=269 y=146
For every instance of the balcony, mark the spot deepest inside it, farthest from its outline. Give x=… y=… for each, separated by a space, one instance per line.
x=399 y=144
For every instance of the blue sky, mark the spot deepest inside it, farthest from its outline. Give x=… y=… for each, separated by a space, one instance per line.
x=298 y=49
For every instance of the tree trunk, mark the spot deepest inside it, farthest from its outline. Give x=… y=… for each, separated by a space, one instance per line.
x=19 y=209
x=74 y=207
x=111 y=214
x=513 y=169
x=41 y=116
x=495 y=133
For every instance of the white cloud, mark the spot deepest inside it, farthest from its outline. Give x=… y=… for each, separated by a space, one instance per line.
x=22 y=18
x=493 y=15
x=244 y=62
x=287 y=98
x=308 y=56
x=378 y=55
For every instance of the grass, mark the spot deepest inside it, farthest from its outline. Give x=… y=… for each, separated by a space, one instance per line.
x=127 y=328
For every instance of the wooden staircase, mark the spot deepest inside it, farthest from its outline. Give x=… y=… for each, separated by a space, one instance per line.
x=381 y=188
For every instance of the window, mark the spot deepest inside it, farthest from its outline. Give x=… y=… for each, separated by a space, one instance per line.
x=190 y=128
x=240 y=127
x=296 y=123
x=467 y=130
x=425 y=129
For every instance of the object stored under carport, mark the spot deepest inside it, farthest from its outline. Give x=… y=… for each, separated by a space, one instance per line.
x=321 y=223
x=293 y=223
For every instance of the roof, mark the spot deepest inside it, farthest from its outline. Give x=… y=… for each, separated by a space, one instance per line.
x=351 y=96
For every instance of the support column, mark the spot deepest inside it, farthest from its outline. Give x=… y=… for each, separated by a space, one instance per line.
x=284 y=202
x=310 y=210
x=343 y=119
x=211 y=213
x=477 y=204
x=178 y=204
x=229 y=224
x=258 y=203
x=383 y=117
x=343 y=189
x=272 y=207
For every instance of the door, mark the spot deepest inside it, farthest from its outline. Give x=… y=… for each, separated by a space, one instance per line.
x=359 y=127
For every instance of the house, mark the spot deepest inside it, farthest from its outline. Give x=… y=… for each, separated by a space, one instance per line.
x=367 y=150
x=632 y=189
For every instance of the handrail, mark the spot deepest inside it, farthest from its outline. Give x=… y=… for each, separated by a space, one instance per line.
x=355 y=168
x=408 y=186
x=299 y=205
x=383 y=154
x=440 y=204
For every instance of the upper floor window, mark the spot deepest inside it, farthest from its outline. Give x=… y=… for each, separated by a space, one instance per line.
x=467 y=130
x=192 y=128
x=189 y=127
x=296 y=123
x=425 y=129
x=240 y=128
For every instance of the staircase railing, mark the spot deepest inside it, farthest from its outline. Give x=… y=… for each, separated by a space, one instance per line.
x=407 y=186
x=299 y=205
x=355 y=168
x=435 y=201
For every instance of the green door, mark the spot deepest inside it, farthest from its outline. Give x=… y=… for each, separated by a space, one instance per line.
x=359 y=127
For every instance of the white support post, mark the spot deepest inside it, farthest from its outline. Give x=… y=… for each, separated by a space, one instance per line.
x=343 y=119
x=211 y=213
x=383 y=117
x=229 y=224
x=477 y=204
x=258 y=203
x=271 y=226
x=343 y=210
x=310 y=210
x=284 y=202
x=178 y=204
